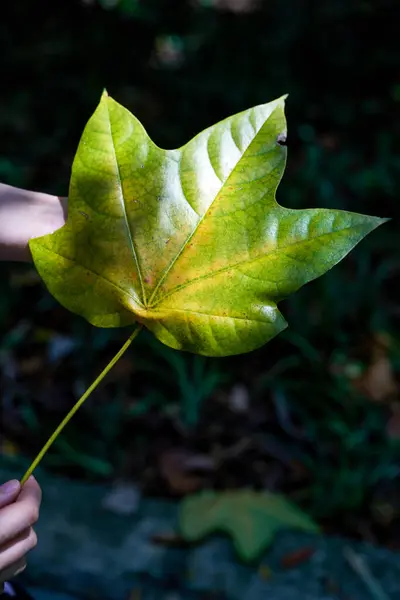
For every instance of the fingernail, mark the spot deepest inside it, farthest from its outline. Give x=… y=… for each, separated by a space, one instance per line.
x=9 y=488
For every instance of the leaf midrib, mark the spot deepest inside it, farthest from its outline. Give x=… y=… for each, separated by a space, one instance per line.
x=213 y=316
x=123 y=204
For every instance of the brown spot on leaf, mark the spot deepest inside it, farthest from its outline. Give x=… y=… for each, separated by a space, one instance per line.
x=281 y=139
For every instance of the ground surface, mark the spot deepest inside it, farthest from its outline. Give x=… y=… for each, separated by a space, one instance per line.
x=89 y=551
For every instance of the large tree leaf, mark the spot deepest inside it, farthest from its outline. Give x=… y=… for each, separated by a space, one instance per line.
x=189 y=242
x=251 y=518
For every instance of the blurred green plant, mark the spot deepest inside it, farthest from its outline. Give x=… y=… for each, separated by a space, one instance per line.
x=195 y=379
x=341 y=436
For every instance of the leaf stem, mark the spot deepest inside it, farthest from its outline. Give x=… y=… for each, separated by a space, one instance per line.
x=78 y=404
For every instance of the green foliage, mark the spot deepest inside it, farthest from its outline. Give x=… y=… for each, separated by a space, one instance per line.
x=181 y=383
x=189 y=242
x=251 y=518
x=335 y=433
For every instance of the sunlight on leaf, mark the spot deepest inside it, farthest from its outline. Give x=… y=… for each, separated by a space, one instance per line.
x=191 y=242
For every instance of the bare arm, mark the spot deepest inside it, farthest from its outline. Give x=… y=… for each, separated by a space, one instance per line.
x=24 y=215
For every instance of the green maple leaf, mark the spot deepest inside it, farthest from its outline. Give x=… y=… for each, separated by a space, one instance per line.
x=251 y=518
x=190 y=243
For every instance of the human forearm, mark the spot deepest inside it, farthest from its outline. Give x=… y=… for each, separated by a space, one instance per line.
x=24 y=215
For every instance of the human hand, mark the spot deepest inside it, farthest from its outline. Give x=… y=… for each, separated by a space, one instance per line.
x=25 y=215
x=19 y=511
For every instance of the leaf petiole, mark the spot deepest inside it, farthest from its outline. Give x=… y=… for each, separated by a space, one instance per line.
x=78 y=404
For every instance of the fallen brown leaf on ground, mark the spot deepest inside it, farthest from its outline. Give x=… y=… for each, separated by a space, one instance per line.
x=378 y=382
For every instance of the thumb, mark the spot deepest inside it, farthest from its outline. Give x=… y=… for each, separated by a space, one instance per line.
x=9 y=492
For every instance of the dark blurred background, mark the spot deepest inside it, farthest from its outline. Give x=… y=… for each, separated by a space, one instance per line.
x=315 y=414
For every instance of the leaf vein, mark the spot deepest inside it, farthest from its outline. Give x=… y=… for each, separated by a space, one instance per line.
x=82 y=266
x=211 y=274
x=123 y=204
x=212 y=316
